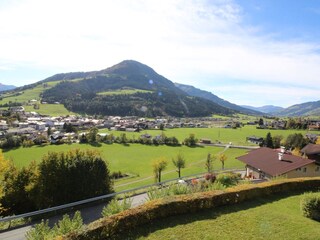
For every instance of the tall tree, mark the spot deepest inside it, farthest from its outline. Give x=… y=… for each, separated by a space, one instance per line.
x=191 y=140
x=179 y=162
x=72 y=176
x=268 y=141
x=209 y=162
x=92 y=135
x=296 y=140
x=158 y=166
x=222 y=158
x=277 y=141
x=260 y=122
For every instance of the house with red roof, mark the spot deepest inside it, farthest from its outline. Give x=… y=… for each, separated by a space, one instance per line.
x=266 y=163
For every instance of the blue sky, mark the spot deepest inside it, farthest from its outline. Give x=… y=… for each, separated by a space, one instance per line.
x=246 y=51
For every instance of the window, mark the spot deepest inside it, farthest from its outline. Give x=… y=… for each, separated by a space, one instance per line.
x=298 y=169
x=305 y=169
x=317 y=169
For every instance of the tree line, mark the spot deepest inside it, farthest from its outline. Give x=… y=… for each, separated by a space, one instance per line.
x=59 y=178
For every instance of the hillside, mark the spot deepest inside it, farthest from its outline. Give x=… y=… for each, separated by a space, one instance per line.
x=303 y=109
x=159 y=96
x=265 y=109
x=192 y=91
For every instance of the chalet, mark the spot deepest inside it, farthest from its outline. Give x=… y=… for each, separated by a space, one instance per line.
x=18 y=109
x=312 y=151
x=266 y=163
x=205 y=141
x=56 y=137
x=312 y=137
x=254 y=139
x=146 y=136
x=3 y=125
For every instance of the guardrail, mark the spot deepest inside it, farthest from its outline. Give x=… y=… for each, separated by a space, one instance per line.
x=90 y=200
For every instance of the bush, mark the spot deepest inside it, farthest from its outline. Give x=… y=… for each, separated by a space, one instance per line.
x=227 y=179
x=310 y=205
x=42 y=230
x=156 y=193
x=39 y=231
x=116 y=206
x=210 y=177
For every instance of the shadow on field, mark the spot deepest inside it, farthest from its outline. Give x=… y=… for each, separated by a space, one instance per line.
x=173 y=221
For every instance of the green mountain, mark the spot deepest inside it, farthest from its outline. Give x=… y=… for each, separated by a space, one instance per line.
x=303 y=109
x=192 y=91
x=128 y=88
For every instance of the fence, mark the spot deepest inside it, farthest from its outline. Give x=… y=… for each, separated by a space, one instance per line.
x=99 y=198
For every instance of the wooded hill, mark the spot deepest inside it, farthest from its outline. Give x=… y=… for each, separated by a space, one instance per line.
x=192 y=91
x=79 y=92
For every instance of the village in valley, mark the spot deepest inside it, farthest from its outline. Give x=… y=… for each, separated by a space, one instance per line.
x=33 y=126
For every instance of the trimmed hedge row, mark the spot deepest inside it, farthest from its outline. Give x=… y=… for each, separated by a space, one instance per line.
x=107 y=228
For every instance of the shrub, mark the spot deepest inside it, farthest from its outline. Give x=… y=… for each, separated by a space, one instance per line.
x=310 y=205
x=227 y=179
x=156 y=193
x=116 y=206
x=210 y=177
x=42 y=230
x=39 y=231
x=27 y=143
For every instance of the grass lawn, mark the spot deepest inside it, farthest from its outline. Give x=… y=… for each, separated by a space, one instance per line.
x=269 y=218
x=135 y=159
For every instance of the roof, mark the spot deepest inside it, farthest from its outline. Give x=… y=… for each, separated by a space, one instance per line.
x=267 y=160
x=311 y=149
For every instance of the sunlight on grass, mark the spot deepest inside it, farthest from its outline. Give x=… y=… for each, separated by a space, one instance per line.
x=268 y=218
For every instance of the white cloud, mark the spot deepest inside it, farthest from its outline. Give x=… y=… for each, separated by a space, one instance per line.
x=179 y=39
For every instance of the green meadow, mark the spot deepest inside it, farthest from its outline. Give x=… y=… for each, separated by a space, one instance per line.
x=50 y=110
x=27 y=94
x=135 y=159
x=273 y=217
x=224 y=135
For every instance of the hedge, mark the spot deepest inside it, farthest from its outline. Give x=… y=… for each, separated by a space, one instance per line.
x=109 y=227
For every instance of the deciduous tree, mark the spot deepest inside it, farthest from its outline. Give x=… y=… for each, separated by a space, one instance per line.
x=158 y=166
x=222 y=158
x=179 y=162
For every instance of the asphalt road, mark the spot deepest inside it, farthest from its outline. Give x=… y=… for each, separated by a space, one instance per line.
x=89 y=214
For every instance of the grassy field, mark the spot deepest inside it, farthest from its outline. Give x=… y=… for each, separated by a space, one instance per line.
x=135 y=159
x=28 y=94
x=124 y=91
x=269 y=218
x=50 y=109
x=225 y=135
x=34 y=93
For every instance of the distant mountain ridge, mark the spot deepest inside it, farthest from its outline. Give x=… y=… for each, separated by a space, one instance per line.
x=160 y=97
x=191 y=90
x=4 y=87
x=265 y=109
x=303 y=109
